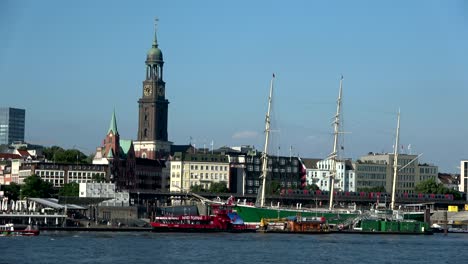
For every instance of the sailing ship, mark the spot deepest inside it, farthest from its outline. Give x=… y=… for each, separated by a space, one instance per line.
x=383 y=220
x=254 y=213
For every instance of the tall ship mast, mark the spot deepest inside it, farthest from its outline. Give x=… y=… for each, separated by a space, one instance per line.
x=334 y=155
x=261 y=193
x=395 y=162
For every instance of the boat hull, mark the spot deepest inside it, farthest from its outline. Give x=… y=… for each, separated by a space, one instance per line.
x=20 y=233
x=252 y=214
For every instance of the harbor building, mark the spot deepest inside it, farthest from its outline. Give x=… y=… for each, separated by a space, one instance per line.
x=61 y=173
x=152 y=138
x=375 y=170
x=463 y=187
x=191 y=169
x=12 y=122
x=319 y=172
x=283 y=173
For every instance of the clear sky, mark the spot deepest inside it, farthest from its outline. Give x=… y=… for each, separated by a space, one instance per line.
x=70 y=63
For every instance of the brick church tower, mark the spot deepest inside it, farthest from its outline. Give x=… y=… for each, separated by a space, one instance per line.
x=152 y=139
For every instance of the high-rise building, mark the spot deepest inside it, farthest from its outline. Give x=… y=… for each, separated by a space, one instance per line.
x=152 y=139
x=11 y=125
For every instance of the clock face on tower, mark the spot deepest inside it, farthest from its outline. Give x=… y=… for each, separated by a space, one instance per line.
x=161 y=91
x=147 y=89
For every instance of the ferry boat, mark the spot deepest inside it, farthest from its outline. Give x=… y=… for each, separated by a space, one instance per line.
x=12 y=230
x=223 y=219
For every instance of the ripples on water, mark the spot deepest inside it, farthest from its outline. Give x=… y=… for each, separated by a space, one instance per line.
x=225 y=248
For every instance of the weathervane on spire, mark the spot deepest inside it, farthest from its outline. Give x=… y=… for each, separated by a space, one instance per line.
x=156 y=20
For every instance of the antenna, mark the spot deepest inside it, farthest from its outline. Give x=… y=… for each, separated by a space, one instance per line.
x=290 y=153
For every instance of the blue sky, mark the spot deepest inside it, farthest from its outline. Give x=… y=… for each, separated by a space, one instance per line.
x=70 y=63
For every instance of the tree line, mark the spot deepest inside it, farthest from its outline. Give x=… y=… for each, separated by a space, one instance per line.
x=35 y=187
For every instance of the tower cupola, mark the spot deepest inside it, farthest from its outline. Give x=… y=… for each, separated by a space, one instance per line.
x=154 y=60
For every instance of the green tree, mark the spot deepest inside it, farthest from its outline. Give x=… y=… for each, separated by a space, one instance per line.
x=70 y=189
x=58 y=154
x=11 y=191
x=273 y=188
x=218 y=187
x=312 y=187
x=35 y=187
x=431 y=186
x=197 y=188
x=98 y=178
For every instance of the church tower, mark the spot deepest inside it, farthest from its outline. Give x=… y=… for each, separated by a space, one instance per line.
x=152 y=140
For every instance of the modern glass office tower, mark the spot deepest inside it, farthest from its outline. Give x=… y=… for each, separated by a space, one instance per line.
x=11 y=125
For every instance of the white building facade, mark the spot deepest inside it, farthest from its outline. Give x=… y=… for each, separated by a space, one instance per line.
x=320 y=174
x=189 y=170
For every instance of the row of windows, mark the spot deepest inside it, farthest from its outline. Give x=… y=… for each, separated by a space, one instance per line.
x=427 y=170
x=372 y=168
x=207 y=167
x=213 y=176
x=372 y=176
x=405 y=184
x=250 y=191
x=282 y=170
x=70 y=173
x=406 y=178
x=257 y=160
x=326 y=166
x=370 y=183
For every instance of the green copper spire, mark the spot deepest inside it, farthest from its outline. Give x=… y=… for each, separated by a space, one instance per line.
x=113 y=125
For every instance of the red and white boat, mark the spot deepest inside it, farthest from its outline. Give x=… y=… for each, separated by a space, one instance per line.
x=223 y=219
x=12 y=230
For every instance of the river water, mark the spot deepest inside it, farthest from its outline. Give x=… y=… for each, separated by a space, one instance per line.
x=225 y=248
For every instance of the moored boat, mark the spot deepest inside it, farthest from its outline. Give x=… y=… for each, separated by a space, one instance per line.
x=295 y=225
x=13 y=230
x=222 y=219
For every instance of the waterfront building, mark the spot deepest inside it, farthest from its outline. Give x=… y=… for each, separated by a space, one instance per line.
x=283 y=173
x=12 y=122
x=6 y=160
x=191 y=169
x=60 y=173
x=449 y=180
x=463 y=187
x=105 y=190
x=375 y=170
x=319 y=171
x=152 y=138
